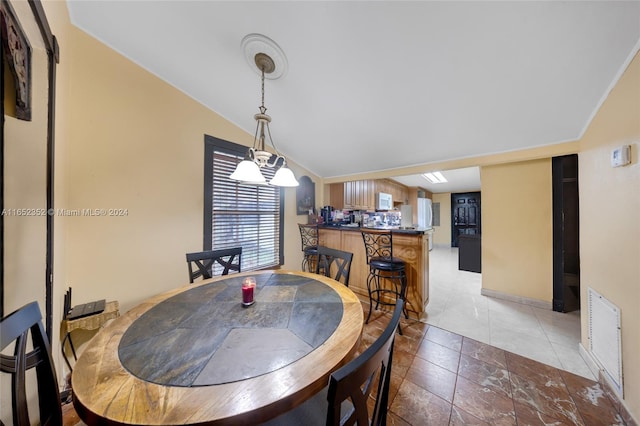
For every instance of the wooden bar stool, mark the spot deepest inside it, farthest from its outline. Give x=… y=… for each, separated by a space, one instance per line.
x=384 y=268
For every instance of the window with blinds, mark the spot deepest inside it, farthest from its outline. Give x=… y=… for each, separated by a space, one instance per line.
x=240 y=215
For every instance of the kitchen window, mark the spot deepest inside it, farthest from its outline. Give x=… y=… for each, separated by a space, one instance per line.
x=241 y=215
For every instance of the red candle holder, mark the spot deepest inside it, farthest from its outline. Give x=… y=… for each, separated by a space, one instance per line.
x=248 y=284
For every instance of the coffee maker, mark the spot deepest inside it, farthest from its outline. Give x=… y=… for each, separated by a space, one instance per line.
x=326 y=213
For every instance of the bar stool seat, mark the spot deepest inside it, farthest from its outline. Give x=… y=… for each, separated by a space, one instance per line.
x=384 y=267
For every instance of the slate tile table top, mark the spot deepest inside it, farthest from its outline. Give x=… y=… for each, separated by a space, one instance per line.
x=195 y=355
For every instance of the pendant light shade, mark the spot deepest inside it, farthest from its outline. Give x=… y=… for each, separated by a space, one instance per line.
x=284 y=177
x=248 y=170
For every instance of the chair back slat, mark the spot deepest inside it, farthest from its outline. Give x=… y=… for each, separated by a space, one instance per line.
x=354 y=381
x=202 y=264
x=16 y=327
x=338 y=260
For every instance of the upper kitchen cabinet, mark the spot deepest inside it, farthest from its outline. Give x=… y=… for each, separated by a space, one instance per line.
x=359 y=195
x=399 y=192
x=336 y=195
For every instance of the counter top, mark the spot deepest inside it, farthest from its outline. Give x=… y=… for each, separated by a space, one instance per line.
x=394 y=229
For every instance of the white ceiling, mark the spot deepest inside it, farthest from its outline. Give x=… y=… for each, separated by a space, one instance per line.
x=377 y=85
x=458 y=180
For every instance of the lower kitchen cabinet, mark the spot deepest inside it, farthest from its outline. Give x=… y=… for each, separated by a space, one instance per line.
x=412 y=247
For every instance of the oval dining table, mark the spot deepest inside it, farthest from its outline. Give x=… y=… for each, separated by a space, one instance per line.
x=196 y=355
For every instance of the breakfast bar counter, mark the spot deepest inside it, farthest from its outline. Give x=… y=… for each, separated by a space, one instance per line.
x=411 y=245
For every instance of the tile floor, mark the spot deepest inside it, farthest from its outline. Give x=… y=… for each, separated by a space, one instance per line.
x=540 y=334
x=452 y=371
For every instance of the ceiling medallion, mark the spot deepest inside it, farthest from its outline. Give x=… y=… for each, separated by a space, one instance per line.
x=256 y=44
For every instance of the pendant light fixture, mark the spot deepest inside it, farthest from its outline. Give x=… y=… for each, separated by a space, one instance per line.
x=259 y=50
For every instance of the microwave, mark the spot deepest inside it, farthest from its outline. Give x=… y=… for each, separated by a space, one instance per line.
x=384 y=201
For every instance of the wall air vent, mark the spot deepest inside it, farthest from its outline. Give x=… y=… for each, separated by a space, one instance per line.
x=605 y=342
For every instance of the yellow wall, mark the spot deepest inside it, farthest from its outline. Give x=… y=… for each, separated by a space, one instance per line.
x=517 y=229
x=137 y=143
x=442 y=233
x=124 y=139
x=609 y=220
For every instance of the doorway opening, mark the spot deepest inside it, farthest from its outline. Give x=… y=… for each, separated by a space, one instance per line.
x=566 y=231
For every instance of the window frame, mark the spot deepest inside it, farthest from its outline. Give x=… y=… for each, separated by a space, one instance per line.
x=211 y=145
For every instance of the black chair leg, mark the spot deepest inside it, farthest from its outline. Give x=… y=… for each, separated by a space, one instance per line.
x=370 y=298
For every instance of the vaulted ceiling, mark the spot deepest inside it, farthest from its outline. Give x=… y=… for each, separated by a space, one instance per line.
x=377 y=85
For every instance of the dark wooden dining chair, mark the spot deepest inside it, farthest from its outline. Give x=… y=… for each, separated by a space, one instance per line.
x=328 y=257
x=344 y=401
x=205 y=263
x=16 y=327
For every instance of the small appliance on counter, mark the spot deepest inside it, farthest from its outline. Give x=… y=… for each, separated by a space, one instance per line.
x=327 y=214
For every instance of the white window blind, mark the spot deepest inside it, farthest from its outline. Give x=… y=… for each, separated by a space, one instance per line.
x=241 y=215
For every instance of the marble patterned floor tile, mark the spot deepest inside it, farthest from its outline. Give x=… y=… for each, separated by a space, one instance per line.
x=439 y=355
x=533 y=370
x=432 y=378
x=417 y=406
x=549 y=398
x=394 y=386
x=484 y=403
x=527 y=415
x=444 y=338
x=402 y=360
x=413 y=328
x=591 y=400
x=484 y=352
x=484 y=374
x=393 y=420
x=459 y=417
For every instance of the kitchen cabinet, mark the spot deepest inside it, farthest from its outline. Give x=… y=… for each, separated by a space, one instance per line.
x=398 y=191
x=359 y=195
x=336 y=195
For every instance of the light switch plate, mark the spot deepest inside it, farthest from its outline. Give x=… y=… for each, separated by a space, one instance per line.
x=621 y=156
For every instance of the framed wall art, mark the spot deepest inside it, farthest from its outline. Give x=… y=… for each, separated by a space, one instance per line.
x=17 y=55
x=305 y=196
